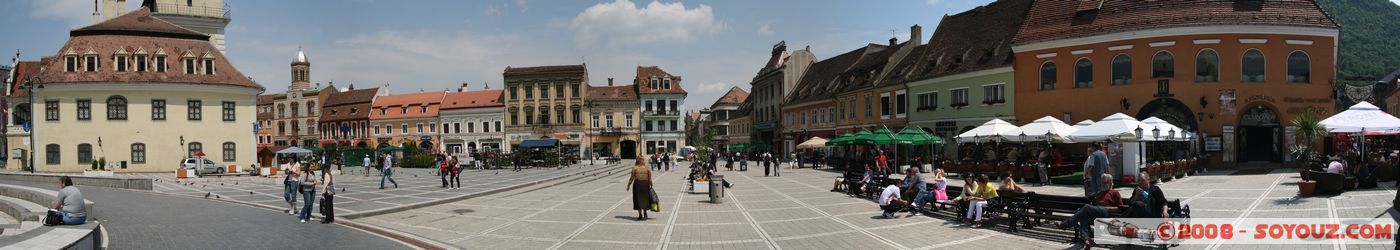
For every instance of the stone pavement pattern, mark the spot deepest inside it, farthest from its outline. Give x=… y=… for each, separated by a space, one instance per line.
x=795 y=211
x=145 y=220
x=361 y=193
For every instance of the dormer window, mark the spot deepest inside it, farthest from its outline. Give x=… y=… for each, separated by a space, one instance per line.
x=208 y=66
x=403 y=110
x=160 y=63
x=70 y=63
x=121 y=61
x=141 y=61
x=666 y=84
x=654 y=83
x=90 y=63
x=189 y=65
x=354 y=110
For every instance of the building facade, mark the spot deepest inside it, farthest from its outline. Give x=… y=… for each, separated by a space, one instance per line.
x=614 y=118
x=18 y=126
x=768 y=89
x=407 y=119
x=546 y=102
x=717 y=120
x=344 y=118
x=814 y=99
x=663 y=100
x=961 y=78
x=294 y=112
x=151 y=84
x=472 y=121
x=1236 y=71
x=205 y=16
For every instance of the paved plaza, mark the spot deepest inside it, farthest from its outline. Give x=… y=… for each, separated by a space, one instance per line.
x=797 y=211
x=361 y=194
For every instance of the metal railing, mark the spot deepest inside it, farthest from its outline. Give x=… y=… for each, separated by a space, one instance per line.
x=221 y=12
x=658 y=112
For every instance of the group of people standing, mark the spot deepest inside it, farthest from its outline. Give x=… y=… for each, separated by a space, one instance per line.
x=771 y=163
x=305 y=178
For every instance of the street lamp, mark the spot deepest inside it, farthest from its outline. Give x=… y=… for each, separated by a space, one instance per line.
x=1023 y=136
x=31 y=83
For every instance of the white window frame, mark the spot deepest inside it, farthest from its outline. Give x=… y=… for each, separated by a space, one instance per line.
x=1000 y=95
x=897 y=106
x=953 y=96
x=886 y=109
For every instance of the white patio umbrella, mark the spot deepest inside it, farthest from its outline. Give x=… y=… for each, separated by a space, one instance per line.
x=1116 y=127
x=815 y=142
x=1362 y=117
x=1083 y=124
x=986 y=132
x=1165 y=131
x=1037 y=130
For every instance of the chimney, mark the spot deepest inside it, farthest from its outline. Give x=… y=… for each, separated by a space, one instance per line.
x=96 y=16
x=893 y=41
x=464 y=87
x=610 y=81
x=352 y=86
x=916 y=35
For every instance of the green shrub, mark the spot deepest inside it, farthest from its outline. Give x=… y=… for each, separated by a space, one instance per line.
x=419 y=161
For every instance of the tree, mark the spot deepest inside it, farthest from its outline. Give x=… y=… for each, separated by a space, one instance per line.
x=1308 y=130
x=702 y=147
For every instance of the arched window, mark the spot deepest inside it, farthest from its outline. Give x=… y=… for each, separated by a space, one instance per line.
x=51 y=154
x=84 y=153
x=195 y=147
x=1122 y=69
x=138 y=153
x=1047 y=76
x=230 y=152
x=116 y=108
x=20 y=116
x=311 y=108
x=1163 y=65
x=1083 y=73
x=1299 y=67
x=1207 y=66
x=1252 y=66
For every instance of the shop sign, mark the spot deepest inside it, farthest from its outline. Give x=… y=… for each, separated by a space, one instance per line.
x=1213 y=144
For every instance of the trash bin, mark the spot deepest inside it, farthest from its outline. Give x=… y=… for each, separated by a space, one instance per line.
x=716 y=188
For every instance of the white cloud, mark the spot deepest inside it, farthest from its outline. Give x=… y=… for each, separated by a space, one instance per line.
x=768 y=31
x=622 y=23
x=74 y=12
x=935 y=2
x=521 y=4
x=716 y=87
x=493 y=11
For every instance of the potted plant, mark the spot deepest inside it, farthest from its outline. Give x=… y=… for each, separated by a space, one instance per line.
x=99 y=169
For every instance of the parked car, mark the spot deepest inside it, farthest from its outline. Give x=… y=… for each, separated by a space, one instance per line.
x=203 y=166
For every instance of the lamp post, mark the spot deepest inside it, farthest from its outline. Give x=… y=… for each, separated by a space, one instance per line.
x=31 y=82
x=592 y=150
x=1142 y=162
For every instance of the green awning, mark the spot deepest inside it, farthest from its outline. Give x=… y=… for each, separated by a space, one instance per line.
x=913 y=136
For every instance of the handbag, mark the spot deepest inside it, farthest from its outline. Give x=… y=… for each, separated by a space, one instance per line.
x=655 y=206
x=54 y=217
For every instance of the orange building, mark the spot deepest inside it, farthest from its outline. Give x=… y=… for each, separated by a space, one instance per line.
x=1236 y=71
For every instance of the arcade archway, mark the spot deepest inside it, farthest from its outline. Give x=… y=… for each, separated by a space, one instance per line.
x=1260 y=136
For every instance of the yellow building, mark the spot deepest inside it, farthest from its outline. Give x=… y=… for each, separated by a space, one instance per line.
x=614 y=120
x=142 y=94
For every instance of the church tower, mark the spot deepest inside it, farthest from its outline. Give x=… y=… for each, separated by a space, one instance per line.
x=301 y=72
x=205 y=16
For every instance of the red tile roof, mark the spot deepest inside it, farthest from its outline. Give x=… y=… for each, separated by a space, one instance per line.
x=546 y=69
x=974 y=40
x=351 y=97
x=612 y=93
x=824 y=79
x=645 y=73
x=735 y=96
x=1057 y=19
x=267 y=99
x=473 y=99
x=414 y=102
x=137 y=31
x=23 y=71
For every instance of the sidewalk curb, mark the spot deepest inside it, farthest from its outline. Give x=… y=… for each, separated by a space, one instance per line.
x=388 y=210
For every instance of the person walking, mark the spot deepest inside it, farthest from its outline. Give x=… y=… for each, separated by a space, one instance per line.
x=765 y=157
x=442 y=170
x=308 y=191
x=456 y=171
x=666 y=157
x=640 y=185
x=517 y=161
x=1097 y=164
x=367 y=164
x=289 y=185
x=388 y=170
x=328 y=197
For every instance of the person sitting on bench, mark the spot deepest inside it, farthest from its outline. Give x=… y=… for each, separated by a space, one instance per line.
x=1106 y=201
x=939 y=193
x=1147 y=201
x=889 y=200
x=984 y=193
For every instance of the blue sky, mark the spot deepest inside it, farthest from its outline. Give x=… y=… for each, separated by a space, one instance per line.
x=436 y=45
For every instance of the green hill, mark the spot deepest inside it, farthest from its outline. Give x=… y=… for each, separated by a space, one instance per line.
x=1370 y=46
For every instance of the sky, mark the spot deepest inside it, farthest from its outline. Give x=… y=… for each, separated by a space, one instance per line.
x=435 y=45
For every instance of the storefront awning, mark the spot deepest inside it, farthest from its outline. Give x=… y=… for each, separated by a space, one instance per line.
x=539 y=143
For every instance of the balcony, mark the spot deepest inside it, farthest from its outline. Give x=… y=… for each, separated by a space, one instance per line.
x=661 y=113
x=180 y=9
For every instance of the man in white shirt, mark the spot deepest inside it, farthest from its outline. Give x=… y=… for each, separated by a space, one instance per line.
x=388 y=172
x=889 y=200
x=367 y=164
x=1335 y=167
